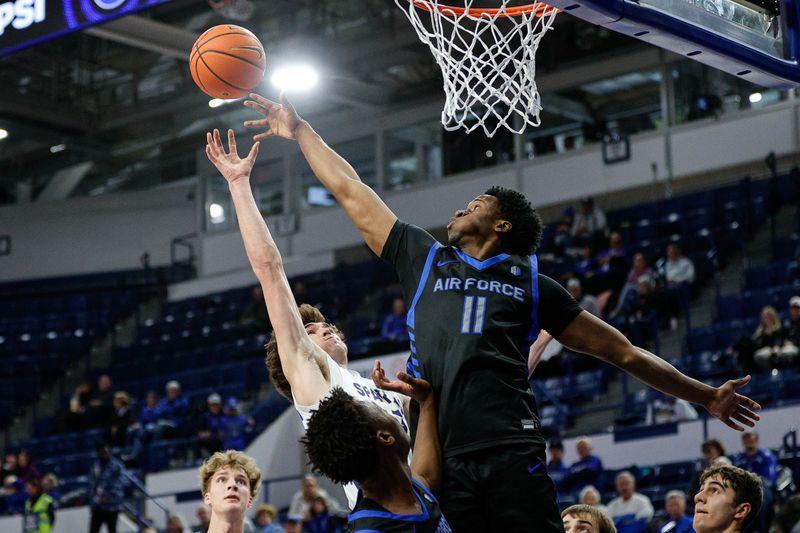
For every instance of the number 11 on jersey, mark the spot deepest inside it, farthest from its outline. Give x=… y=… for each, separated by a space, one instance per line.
x=472 y=317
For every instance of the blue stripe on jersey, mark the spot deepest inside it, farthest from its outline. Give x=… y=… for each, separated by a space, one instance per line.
x=421 y=517
x=424 y=489
x=422 y=281
x=480 y=265
x=534 y=332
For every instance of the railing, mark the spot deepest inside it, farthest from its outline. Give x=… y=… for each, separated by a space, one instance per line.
x=184 y=242
x=138 y=512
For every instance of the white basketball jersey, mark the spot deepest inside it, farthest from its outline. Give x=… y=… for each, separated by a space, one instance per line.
x=361 y=389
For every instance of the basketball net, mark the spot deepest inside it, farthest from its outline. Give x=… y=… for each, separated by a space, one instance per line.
x=487 y=58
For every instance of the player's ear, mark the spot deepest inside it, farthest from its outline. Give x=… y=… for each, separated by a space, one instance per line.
x=502 y=226
x=385 y=437
x=207 y=498
x=742 y=510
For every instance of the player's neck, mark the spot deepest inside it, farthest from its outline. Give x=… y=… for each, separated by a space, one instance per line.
x=393 y=489
x=479 y=249
x=226 y=524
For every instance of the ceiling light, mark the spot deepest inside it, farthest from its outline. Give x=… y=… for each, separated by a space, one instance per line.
x=217 y=213
x=57 y=148
x=755 y=98
x=295 y=78
x=3 y=133
x=216 y=102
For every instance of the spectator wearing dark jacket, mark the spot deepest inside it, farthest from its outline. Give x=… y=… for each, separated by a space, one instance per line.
x=107 y=483
x=121 y=419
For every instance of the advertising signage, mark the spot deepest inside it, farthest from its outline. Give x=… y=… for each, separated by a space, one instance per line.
x=24 y=23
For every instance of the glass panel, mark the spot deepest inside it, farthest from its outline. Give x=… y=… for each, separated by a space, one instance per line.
x=359 y=153
x=413 y=154
x=580 y=115
x=702 y=91
x=267 y=181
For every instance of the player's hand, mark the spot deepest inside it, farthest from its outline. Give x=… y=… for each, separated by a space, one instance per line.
x=232 y=167
x=418 y=389
x=281 y=119
x=733 y=408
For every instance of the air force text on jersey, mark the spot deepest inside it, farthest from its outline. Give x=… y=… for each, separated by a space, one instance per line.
x=457 y=284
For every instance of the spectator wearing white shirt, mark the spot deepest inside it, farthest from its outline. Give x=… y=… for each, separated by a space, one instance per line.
x=631 y=511
x=679 y=275
x=587 y=301
x=589 y=222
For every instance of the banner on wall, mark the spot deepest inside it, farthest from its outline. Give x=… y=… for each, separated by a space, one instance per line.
x=24 y=23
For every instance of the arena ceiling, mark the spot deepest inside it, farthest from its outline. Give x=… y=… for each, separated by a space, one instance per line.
x=120 y=97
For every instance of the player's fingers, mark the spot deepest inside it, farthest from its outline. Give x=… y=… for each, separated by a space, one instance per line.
x=218 y=141
x=255 y=106
x=251 y=157
x=265 y=102
x=232 y=143
x=286 y=103
x=733 y=425
x=741 y=381
x=211 y=156
x=747 y=412
x=260 y=123
x=752 y=404
x=262 y=136
x=743 y=419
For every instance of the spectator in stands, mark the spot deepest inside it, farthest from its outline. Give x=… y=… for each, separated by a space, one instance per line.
x=101 y=402
x=26 y=470
x=177 y=524
x=630 y=511
x=640 y=314
x=50 y=487
x=40 y=509
x=203 y=519
x=255 y=318
x=121 y=419
x=666 y=409
x=107 y=483
x=791 y=331
x=678 y=274
x=556 y=467
x=146 y=427
x=714 y=453
x=562 y=238
x=394 y=324
x=587 y=470
x=631 y=286
x=612 y=263
x=230 y=482
x=675 y=505
x=173 y=411
x=148 y=416
x=768 y=339
x=587 y=301
x=587 y=519
x=265 y=520
x=79 y=407
x=589 y=223
x=729 y=500
x=234 y=427
x=294 y=524
x=319 y=519
x=302 y=499
x=14 y=494
x=761 y=462
x=591 y=496
x=208 y=434
x=9 y=466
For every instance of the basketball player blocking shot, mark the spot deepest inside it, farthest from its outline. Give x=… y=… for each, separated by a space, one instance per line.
x=477 y=305
x=306 y=356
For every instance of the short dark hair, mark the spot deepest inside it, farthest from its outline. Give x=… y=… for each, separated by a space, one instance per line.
x=308 y=314
x=746 y=487
x=557 y=445
x=604 y=522
x=526 y=224
x=340 y=441
x=713 y=443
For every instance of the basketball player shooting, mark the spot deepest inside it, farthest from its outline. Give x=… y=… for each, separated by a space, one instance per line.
x=306 y=356
x=476 y=304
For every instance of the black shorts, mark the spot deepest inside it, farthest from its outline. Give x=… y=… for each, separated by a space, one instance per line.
x=504 y=488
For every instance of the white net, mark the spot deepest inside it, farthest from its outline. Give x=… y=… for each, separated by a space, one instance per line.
x=488 y=60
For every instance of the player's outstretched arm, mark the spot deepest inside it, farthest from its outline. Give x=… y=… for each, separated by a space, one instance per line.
x=426 y=462
x=365 y=208
x=590 y=335
x=299 y=357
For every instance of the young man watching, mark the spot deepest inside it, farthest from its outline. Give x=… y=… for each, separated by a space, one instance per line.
x=586 y=519
x=729 y=500
x=229 y=482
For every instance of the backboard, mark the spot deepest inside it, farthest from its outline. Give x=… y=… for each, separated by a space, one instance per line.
x=757 y=40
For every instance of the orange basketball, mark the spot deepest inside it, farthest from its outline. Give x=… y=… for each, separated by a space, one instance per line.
x=227 y=61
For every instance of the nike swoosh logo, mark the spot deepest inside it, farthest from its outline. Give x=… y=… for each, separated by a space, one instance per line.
x=253 y=48
x=531 y=470
x=443 y=263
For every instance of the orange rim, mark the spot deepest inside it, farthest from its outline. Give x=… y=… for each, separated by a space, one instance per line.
x=540 y=9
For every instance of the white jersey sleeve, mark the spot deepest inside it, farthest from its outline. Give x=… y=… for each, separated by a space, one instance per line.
x=362 y=389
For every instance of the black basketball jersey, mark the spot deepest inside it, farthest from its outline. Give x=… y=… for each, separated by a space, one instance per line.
x=370 y=517
x=471 y=324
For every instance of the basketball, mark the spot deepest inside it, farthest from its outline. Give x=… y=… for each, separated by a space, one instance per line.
x=227 y=61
